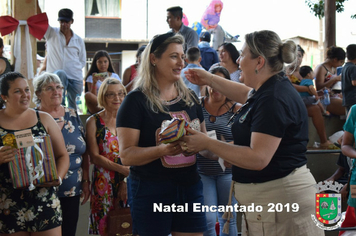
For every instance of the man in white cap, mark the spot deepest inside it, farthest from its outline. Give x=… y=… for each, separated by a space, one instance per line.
x=66 y=56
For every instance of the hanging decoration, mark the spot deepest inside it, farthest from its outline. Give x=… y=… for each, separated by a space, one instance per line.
x=35 y=25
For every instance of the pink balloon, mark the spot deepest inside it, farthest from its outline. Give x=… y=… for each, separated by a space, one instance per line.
x=211 y=16
x=185 y=20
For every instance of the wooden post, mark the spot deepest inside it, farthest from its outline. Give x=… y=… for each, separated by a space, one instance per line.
x=22 y=10
x=330 y=20
x=321 y=42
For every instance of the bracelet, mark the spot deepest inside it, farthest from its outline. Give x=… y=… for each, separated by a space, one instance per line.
x=211 y=80
x=60 y=180
x=85 y=181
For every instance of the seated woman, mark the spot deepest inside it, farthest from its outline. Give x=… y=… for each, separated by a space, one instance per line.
x=292 y=72
x=131 y=72
x=100 y=68
x=326 y=77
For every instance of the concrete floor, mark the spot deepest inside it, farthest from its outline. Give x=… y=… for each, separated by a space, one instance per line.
x=83 y=223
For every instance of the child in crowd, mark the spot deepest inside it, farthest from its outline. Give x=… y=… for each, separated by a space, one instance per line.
x=193 y=59
x=310 y=99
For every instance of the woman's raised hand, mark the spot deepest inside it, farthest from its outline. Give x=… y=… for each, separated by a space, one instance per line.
x=7 y=154
x=199 y=76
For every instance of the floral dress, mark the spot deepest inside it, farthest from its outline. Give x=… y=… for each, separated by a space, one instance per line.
x=73 y=133
x=105 y=183
x=24 y=210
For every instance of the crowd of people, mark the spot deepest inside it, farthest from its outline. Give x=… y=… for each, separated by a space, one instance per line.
x=244 y=142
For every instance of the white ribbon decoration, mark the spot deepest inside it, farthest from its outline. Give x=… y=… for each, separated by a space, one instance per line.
x=17 y=49
x=39 y=168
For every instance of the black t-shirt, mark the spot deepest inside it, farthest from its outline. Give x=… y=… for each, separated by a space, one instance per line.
x=135 y=113
x=275 y=109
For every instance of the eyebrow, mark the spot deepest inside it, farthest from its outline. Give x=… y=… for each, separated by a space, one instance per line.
x=21 y=88
x=121 y=90
x=176 y=53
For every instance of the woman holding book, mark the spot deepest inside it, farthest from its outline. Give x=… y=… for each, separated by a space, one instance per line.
x=100 y=68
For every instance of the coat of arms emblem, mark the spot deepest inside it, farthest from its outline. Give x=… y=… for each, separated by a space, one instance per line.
x=328 y=206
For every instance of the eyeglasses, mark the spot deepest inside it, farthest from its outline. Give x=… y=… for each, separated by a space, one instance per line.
x=51 y=89
x=232 y=118
x=113 y=95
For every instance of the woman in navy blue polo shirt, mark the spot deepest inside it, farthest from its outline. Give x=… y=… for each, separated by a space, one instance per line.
x=270 y=138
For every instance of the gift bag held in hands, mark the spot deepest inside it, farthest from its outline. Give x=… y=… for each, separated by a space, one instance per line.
x=172 y=131
x=34 y=165
x=119 y=221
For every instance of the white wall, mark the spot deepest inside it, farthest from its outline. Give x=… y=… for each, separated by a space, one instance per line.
x=128 y=59
x=133 y=21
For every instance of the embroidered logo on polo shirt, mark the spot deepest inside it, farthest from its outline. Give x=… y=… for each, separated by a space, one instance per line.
x=243 y=117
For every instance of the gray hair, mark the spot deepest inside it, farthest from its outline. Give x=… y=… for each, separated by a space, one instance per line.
x=41 y=81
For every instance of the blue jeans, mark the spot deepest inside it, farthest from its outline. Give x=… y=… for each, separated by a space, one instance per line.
x=216 y=191
x=71 y=86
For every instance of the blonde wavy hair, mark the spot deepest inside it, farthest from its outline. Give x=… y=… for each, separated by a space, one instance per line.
x=146 y=80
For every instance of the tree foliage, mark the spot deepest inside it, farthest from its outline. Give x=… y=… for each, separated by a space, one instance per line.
x=317 y=7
